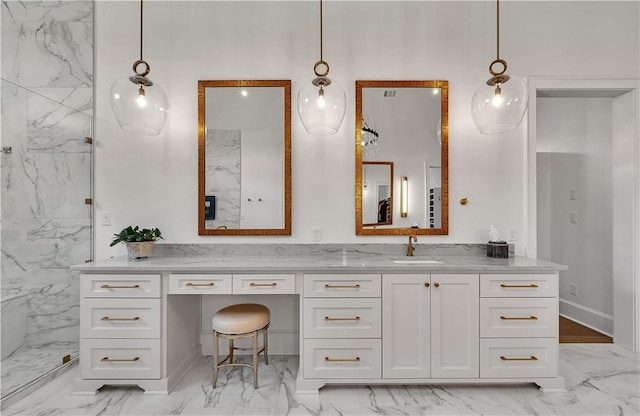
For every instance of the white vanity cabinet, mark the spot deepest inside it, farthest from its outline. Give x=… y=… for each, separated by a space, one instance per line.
x=341 y=326
x=430 y=326
x=519 y=325
x=362 y=320
x=120 y=327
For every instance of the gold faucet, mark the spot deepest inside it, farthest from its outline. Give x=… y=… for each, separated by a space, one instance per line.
x=411 y=248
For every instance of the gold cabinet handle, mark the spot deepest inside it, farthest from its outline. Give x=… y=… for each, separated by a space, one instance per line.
x=328 y=318
x=252 y=284
x=200 y=284
x=356 y=286
x=436 y=284
x=342 y=360
x=531 y=286
x=119 y=287
x=427 y=284
x=106 y=318
x=532 y=358
x=120 y=360
x=519 y=318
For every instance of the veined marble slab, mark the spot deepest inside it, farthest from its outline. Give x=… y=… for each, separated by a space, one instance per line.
x=341 y=261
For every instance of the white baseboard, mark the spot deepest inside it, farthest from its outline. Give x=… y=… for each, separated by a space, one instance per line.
x=586 y=316
x=281 y=342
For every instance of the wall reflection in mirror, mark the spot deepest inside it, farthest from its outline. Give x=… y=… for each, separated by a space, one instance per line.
x=402 y=129
x=244 y=157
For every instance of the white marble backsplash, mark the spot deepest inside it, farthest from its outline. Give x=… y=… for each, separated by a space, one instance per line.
x=472 y=249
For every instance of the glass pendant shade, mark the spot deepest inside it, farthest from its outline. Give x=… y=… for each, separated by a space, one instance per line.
x=139 y=109
x=499 y=108
x=322 y=107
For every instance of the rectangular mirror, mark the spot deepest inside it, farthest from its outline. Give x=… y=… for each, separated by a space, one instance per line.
x=403 y=126
x=244 y=157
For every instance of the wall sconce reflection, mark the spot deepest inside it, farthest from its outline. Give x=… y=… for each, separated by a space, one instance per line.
x=404 y=196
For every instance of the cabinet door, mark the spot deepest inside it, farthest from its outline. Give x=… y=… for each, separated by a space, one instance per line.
x=405 y=325
x=455 y=334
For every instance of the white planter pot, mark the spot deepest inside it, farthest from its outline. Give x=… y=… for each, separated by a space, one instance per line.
x=137 y=250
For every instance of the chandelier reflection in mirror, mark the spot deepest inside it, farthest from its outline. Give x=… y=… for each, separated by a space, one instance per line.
x=499 y=105
x=370 y=139
x=139 y=104
x=322 y=102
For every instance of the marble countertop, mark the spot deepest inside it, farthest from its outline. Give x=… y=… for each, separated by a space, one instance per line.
x=320 y=262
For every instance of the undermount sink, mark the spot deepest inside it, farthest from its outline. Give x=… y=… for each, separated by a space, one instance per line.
x=417 y=261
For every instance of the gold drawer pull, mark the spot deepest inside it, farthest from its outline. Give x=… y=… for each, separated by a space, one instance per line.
x=356 y=286
x=328 y=318
x=427 y=284
x=436 y=284
x=106 y=318
x=200 y=284
x=532 y=358
x=252 y=284
x=120 y=360
x=119 y=287
x=342 y=360
x=517 y=318
x=531 y=286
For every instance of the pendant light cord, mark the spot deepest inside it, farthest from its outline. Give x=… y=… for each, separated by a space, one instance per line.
x=321 y=31
x=141 y=31
x=497 y=29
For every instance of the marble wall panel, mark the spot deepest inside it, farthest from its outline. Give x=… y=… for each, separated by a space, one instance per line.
x=41 y=251
x=222 y=176
x=48 y=44
x=47 y=185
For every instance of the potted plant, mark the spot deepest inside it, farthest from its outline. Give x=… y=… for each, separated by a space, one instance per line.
x=139 y=242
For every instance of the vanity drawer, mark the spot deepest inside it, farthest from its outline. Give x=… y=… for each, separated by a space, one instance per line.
x=120 y=318
x=120 y=358
x=518 y=357
x=199 y=284
x=264 y=283
x=335 y=318
x=342 y=358
x=518 y=317
x=120 y=285
x=342 y=285
x=518 y=285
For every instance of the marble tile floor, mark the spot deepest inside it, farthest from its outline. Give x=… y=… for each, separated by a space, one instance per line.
x=28 y=363
x=601 y=379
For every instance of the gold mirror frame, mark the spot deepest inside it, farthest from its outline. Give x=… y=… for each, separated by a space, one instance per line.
x=286 y=86
x=444 y=158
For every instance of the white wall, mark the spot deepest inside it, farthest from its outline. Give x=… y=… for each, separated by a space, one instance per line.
x=575 y=141
x=187 y=41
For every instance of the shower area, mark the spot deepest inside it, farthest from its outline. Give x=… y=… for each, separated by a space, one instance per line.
x=45 y=200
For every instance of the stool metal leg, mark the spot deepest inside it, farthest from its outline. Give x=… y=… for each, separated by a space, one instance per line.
x=215 y=358
x=265 y=341
x=231 y=347
x=255 y=359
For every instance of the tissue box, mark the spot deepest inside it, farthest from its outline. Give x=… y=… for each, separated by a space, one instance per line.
x=498 y=249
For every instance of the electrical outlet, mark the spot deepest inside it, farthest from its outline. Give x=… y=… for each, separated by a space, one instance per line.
x=105 y=218
x=572 y=194
x=317 y=234
x=512 y=234
x=573 y=289
x=573 y=217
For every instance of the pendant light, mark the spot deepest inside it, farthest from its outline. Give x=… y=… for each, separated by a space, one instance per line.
x=139 y=104
x=498 y=105
x=322 y=101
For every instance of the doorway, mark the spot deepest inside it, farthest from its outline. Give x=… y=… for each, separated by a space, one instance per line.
x=583 y=198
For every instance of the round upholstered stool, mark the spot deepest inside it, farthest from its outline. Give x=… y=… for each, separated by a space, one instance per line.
x=237 y=322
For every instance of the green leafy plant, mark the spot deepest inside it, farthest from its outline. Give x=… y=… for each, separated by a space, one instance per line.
x=136 y=235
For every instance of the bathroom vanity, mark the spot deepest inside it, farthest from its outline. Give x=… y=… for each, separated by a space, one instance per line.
x=364 y=319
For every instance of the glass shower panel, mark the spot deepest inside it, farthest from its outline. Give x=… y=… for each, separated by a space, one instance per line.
x=45 y=227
